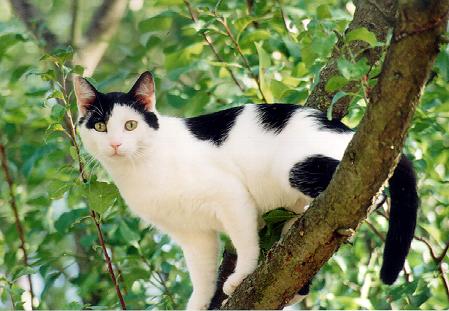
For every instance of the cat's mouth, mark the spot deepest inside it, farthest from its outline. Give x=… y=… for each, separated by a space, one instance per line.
x=116 y=155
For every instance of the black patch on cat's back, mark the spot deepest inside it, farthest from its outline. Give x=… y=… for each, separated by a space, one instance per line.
x=312 y=175
x=214 y=127
x=274 y=117
x=333 y=125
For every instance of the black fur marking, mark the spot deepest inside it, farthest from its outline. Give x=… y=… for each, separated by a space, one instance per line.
x=101 y=108
x=312 y=176
x=81 y=120
x=403 y=214
x=333 y=125
x=214 y=127
x=274 y=117
x=305 y=289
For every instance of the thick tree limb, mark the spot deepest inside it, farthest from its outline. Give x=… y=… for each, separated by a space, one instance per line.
x=377 y=17
x=99 y=33
x=377 y=144
x=34 y=22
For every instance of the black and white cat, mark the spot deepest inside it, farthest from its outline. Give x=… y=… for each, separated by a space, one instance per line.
x=193 y=178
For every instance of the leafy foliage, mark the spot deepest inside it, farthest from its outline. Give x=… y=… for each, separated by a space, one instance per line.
x=274 y=50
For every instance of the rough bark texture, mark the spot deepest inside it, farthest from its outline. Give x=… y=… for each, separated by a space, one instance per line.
x=345 y=203
x=377 y=17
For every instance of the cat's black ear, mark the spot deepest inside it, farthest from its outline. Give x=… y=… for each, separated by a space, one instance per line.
x=85 y=93
x=144 y=91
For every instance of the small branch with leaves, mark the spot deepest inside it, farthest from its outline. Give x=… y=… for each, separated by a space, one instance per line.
x=19 y=225
x=64 y=94
x=209 y=42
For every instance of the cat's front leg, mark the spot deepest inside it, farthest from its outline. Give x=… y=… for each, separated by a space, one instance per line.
x=240 y=223
x=201 y=254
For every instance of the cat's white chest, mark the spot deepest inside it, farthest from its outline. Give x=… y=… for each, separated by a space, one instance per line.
x=168 y=198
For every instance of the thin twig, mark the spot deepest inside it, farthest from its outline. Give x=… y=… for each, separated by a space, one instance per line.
x=212 y=47
x=166 y=289
x=108 y=259
x=119 y=273
x=223 y=21
x=13 y=203
x=72 y=134
x=444 y=252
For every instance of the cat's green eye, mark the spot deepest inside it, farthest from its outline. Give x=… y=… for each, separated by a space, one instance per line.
x=100 y=126
x=130 y=125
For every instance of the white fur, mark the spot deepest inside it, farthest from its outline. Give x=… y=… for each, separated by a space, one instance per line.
x=192 y=189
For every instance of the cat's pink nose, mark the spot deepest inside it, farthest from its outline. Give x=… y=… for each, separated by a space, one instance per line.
x=115 y=145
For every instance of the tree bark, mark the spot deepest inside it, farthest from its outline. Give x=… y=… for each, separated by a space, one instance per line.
x=377 y=144
x=378 y=17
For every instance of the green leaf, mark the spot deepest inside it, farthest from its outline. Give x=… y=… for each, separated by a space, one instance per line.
x=21 y=271
x=353 y=71
x=162 y=22
x=335 y=99
x=323 y=12
x=56 y=94
x=8 y=40
x=59 y=55
x=362 y=34
x=64 y=223
x=335 y=83
x=18 y=73
x=278 y=215
x=264 y=63
x=57 y=188
x=101 y=195
x=128 y=234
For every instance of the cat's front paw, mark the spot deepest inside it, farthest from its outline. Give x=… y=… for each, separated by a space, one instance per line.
x=232 y=282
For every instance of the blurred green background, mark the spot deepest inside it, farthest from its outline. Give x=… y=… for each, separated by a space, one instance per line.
x=284 y=44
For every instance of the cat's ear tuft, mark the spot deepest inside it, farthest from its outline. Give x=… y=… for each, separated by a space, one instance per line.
x=144 y=91
x=85 y=93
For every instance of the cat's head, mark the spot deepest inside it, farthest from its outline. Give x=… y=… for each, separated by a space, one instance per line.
x=117 y=126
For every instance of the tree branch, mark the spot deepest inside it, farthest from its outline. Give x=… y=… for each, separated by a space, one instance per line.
x=75 y=33
x=108 y=259
x=19 y=226
x=377 y=17
x=103 y=26
x=71 y=131
x=212 y=47
x=365 y=15
x=377 y=144
x=34 y=22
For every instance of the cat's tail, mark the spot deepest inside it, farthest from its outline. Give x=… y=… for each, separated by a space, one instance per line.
x=403 y=213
